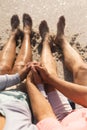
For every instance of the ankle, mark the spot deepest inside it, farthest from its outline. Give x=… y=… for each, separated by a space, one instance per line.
x=14 y=32
x=60 y=39
x=27 y=30
x=47 y=37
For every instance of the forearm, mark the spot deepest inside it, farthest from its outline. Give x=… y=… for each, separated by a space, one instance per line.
x=40 y=106
x=77 y=93
x=9 y=80
x=41 y=89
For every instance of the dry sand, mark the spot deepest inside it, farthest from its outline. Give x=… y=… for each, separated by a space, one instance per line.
x=74 y=11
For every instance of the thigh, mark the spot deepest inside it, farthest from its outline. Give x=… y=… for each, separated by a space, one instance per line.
x=5 y=69
x=17 y=68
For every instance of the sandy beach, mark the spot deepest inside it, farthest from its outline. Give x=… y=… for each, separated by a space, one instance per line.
x=75 y=13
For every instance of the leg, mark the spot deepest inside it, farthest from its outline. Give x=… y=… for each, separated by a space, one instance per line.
x=25 y=54
x=46 y=55
x=73 y=60
x=58 y=102
x=7 y=55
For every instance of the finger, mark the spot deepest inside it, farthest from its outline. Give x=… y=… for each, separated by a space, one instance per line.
x=29 y=63
x=42 y=65
x=32 y=63
x=36 y=63
x=34 y=71
x=33 y=68
x=39 y=68
x=29 y=73
x=36 y=77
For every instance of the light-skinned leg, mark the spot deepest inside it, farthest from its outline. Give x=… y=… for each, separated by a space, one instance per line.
x=25 y=53
x=8 y=54
x=73 y=60
x=58 y=101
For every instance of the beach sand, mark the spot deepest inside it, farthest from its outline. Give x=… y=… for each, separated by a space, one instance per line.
x=75 y=13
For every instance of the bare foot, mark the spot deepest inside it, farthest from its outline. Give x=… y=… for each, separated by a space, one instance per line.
x=44 y=32
x=60 y=29
x=14 y=22
x=16 y=32
x=43 y=29
x=27 y=23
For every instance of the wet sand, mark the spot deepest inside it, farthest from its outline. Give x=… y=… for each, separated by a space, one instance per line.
x=75 y=13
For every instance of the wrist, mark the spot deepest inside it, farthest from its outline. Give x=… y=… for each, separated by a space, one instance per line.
x=29 y=81
x=51 y=78
x=22 y=75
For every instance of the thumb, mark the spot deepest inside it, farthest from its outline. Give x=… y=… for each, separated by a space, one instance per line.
x=36 y=77
x=34 y=72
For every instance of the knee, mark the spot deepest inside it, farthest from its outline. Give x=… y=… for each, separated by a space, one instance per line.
x=80 y=73
x=5 y=69
x=80 y=68
x=17 y=68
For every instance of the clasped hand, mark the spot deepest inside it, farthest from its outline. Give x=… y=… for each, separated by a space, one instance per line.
x=38 y=73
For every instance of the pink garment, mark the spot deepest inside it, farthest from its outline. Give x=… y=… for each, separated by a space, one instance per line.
x=49 y=124
x=77 y=120
x=60 y=104
x=58 y=101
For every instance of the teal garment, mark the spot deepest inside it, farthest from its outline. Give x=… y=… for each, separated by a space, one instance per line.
x=12 y=95
x=14 y=106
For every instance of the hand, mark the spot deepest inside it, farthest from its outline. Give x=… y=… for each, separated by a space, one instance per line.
x=30 y=77
x=24 y=71
x=36 y=76
x=43 y=73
